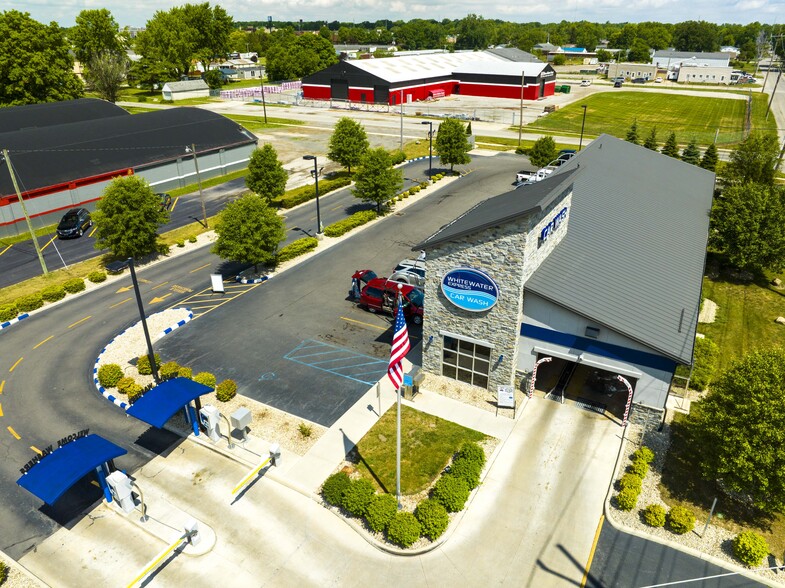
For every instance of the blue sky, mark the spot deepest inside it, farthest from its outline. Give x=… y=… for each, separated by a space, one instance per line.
x=138 y=12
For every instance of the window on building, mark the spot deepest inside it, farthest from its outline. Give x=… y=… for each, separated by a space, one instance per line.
x=466 y=361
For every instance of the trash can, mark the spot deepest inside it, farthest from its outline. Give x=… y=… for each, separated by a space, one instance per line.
x=565 y=89
x=407 y=387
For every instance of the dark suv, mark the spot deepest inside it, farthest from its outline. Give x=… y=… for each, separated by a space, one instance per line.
x=74 y=223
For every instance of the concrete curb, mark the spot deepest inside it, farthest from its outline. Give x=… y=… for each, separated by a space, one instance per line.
x=13 y=321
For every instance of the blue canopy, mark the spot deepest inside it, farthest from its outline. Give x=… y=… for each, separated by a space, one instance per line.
x=159 y=404
x=57 y=472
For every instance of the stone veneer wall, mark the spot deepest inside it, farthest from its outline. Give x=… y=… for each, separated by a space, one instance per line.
x=508 y=254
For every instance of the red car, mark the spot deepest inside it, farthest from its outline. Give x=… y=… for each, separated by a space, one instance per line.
x=380 y=293
x=360 y=279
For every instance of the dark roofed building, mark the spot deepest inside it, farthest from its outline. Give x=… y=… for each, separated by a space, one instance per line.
x=17 y=118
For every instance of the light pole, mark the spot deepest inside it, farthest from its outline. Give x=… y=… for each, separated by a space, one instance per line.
x=117 y=266
x=583 y=124
x=430 y=146
x=316 y=179
x=192 y=149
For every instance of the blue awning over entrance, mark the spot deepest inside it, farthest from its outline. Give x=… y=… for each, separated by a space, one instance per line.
x=51 y=477
x=159 y=404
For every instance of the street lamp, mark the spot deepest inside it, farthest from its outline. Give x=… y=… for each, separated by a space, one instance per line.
x=583 y=124
x=192 y=149
x=316 y=179
x=117 y=266
x=430 y=145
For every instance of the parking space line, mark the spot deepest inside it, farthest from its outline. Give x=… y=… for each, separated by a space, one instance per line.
x=38 y=451
x=200 y=267
x=364 y=324
x=121 y=302
x=2 y=385
x=6 y=249
x=316 y=349
x=95 y=228
x=18 y=361
x=44 y=341
x=1 y=410
x=49 y=243
x=176 y=200
x=14 y=433
x=159 y=286
x=80 y=321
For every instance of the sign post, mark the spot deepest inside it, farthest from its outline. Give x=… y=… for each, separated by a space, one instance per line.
x=505 y=398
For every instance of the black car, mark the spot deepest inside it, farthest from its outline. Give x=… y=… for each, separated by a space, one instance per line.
x=639 y=81
x=74 y=223
x=166 y=200
x=605 y=383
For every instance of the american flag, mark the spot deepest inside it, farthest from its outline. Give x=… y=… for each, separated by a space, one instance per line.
x=400 y=347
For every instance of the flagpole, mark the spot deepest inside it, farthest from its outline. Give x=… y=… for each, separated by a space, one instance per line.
x=398 y=422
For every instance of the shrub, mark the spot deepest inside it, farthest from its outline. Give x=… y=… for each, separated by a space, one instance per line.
x=125 y=383
x=192 y=239
x=74 y=285
x=185 y=372
x=706 y=357
x=654 y=515
x=750 y=548
x=400 y=198
x=433 y=518
x=134 y=392
x=305 y=430
x=681 y=520
x=96 y=277
x=627 y=499
x=205 y=378
x=305 y=193
x=169 y=370
x=226 y=390
x=403 y=529
x=344 y=226
x=181 y=243
x=29 y=302
x=381 y=511
x=53 y=293
x=8 y=312
x=3 y=572
x=143 y=364
x=334 y=487
x=631 y=481
x=297 y=248
x=397 y=157
x=357 y=497
x=109 y=374
x=639 y=468
x=467 y=470
x=643 y=454
x=472 y=452
x=452 y=492
x=141 y=98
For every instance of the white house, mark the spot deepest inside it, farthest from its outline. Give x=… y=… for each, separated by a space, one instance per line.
x=673 y=59
x=174 y=91
x=704 y=75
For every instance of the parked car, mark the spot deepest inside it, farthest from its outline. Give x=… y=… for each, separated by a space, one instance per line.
x=617 y=84
x=619 y=79
x=410 y=271
x=585 y=83
x=657 y=80
x=523 y=176
x=380 y=295
x=74 y=223
x=360 y=279
x=566 y=154
x=639 y=80
x=166 y=200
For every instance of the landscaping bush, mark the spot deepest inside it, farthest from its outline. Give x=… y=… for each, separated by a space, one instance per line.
x=297 y=248
x=29 y=302
x=3 y=573
x=226 y=390
x=185 y=372
x=305 y=430
x=192 y=239
x=631 y=481
x=8 y=312
x=643 y=454
x=357 y=497
x=433 y=518
x=143 y=364
x=381 y=511
x=344 y=226
x=53 y=293
x=397 y=157
x=403 y=529
x=750 y=548
x=452 y=492
x=74 y=285
x=205 y=378
x=181 y=243
x=472 y=452
x=109 y=374
x=639 y=468
x=334 y=487
x=305 y=193
x=681 y=520
x=134 y=392
x=96 y=277
x=654 y=515
x=467 y=470
x=125 y=383
x=169 y=370
x=627 y=498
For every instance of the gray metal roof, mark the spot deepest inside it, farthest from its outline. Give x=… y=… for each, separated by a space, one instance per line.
x=514 y=54
x=186 y=86
x=633 y=255
x=690 y=55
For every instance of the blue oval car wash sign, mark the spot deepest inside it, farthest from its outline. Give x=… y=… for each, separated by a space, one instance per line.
x=470 y=289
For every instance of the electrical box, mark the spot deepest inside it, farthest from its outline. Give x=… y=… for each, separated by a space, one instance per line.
x=192 y=532
x=120 y=485
x=240 y=418
x=210 y=418
x=275 y=454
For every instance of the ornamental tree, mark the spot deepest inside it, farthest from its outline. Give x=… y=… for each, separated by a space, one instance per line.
x=632 y=133
x=710 y=158
x=671 y=147
x=96 y=33
x=754 y=160
x=348 y=143
x=266 y=175
x=739 y=430
x=543 y=151
x=651 y=140
x=377 y=180
x=127 y=218
x=451 y=143
x=691 y=153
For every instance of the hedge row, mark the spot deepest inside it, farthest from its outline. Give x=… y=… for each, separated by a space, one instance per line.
x=305 y=193
x=297 y=248
x=51 y=293
x=344 y=226
x=631 y=482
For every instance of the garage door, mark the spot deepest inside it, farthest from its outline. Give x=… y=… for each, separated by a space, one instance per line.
x=339 y=89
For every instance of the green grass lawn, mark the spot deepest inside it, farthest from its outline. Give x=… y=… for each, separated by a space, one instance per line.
x=427 y=445
x=256 y=123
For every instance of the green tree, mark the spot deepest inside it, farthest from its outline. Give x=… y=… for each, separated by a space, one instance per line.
x=451 y=143
x=691 y=153
x=651 y=140
x=748 y=225
x=543 y=151
x=710 y=158
x=127 y=218
x=671 y=147
x=754 y=160
x=148 y=73
x=632 y=133
x=249 y=231
x=639 y=52
x=214 y=78
x=96 y=33
x=266 y=175
x=694 y=35
x=35 y=63
x=377 y=180
x=106 y=73
x=348 y=143
x=168 y=43
x=474 y=32
x=740 y=429
x=210 y=29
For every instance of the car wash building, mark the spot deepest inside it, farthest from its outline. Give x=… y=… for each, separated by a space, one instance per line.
x=597 y=270
x=65 y=153
x=412 y=78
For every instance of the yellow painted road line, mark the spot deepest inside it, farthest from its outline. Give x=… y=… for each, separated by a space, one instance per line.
x=159 y=286
x=44 y=341
x=199 y=307
x=6 y=249
x=200 y=268
x=95 y=228
x=591 y=553
x=160 y=298
x=18 y=361
x=205 y=294
x=364 y=324
x=14 y=433
x=49 y=243
x=232 y=298
x=337 y=207
x=143 y=281
x=1 y=410
x=2 y=385
x=176 y=200
x=80 y=321
x=38 y=451
x=94 y=483
x=121 y=302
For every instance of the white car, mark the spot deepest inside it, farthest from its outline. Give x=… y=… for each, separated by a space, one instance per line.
x=657 y=80
x=410 y=271
x=585 y=83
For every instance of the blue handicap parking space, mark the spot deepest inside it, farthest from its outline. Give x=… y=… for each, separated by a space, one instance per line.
x=341 y=362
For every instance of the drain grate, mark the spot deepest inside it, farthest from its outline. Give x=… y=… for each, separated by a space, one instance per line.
x=587 y=404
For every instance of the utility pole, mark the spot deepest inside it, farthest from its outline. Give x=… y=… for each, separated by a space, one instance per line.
x=7 y=158
x=520 y=122
x=199 y=181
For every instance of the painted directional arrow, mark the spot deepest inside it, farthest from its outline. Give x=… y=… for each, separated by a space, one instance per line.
x=160 y=298
x=123 y=289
